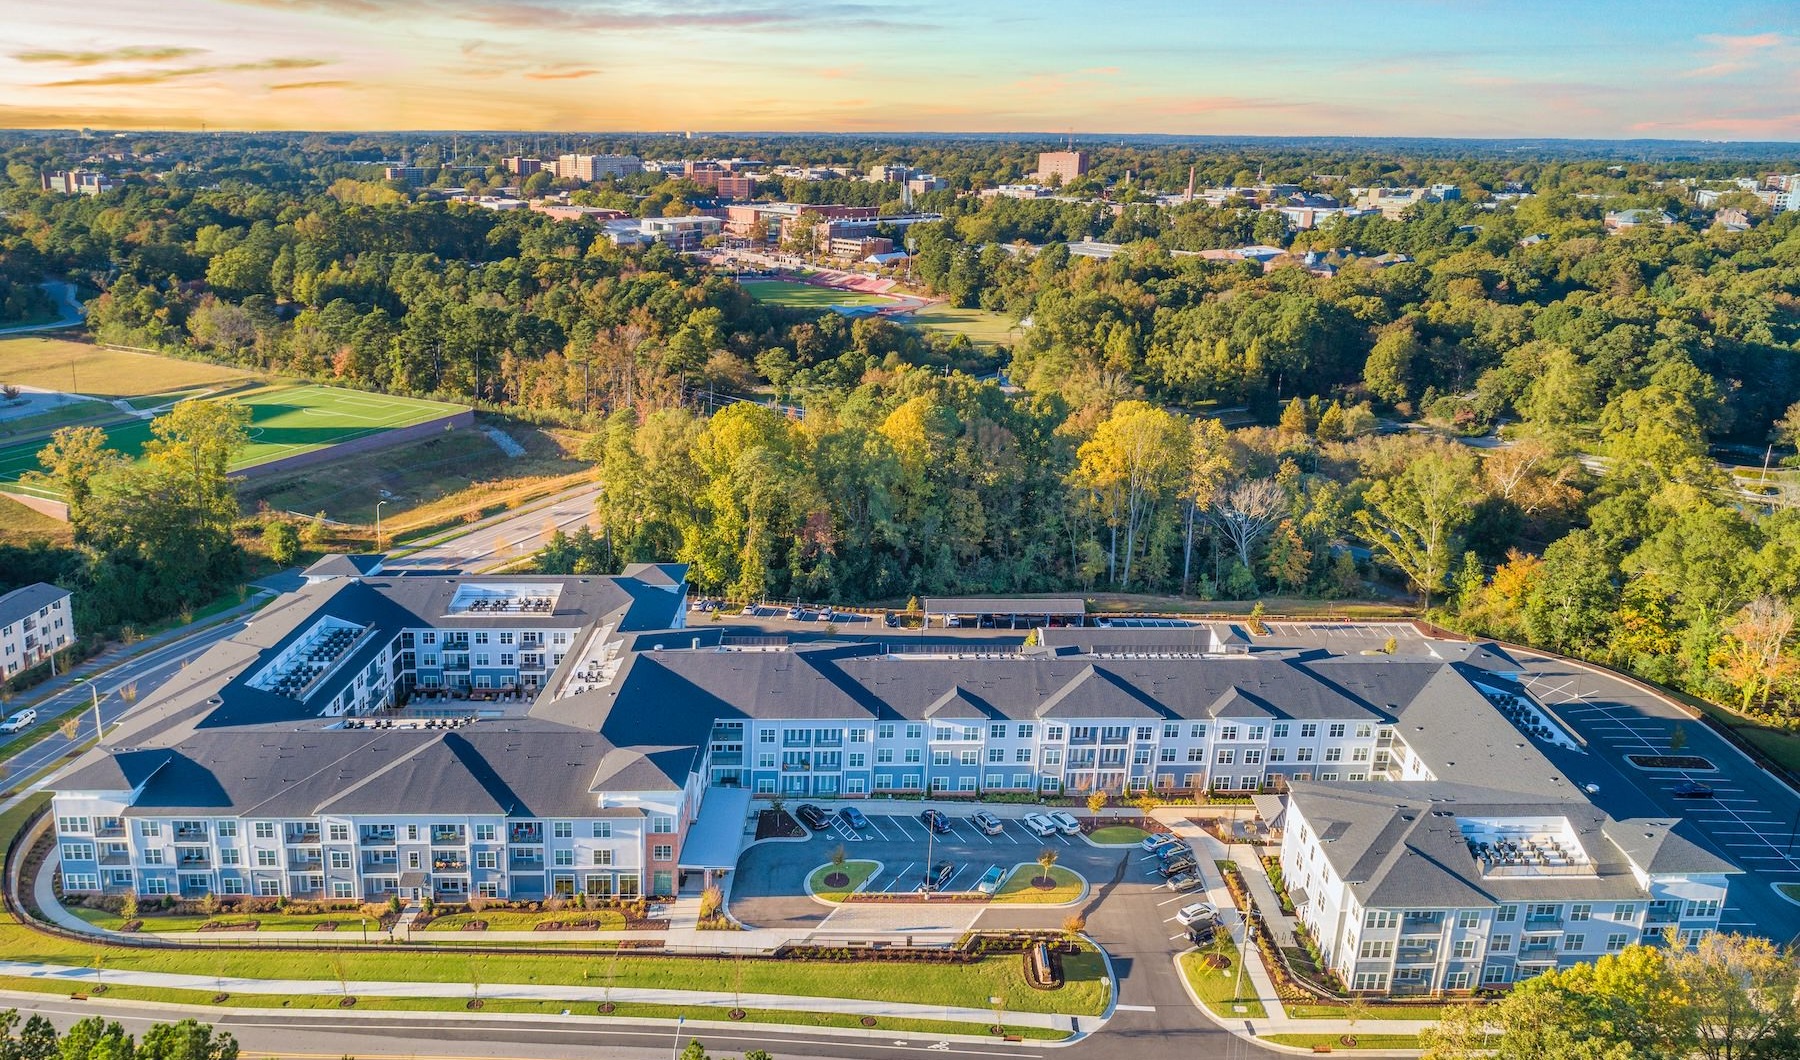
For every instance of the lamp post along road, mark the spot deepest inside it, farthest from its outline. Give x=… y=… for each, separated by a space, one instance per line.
x=378 y=505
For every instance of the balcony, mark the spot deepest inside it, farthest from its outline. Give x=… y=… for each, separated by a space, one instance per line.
x=116 y=830
x=303 y=834
x=378 y=837
x=1537 y=949
x=446 y=836
x=525 y=833
x=1416 y=954
x=456 y=663
x=191 y=834
x=520 y=862
x=121 y=858
x=1422 y=925
x=303 y=860
x=383 y=863
x=1544 y=919
x=449 y=863
x=194 y=859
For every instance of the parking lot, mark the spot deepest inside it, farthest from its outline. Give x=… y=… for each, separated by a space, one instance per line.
x=1752 y=818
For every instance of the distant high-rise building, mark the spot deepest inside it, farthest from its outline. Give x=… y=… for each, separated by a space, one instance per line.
x=598 y=167
x=520 y=166
x=77 y=182
x=1069 y=165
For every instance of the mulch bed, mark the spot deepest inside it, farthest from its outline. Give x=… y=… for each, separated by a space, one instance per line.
x=1044 y=883
x=325 y=925
x=229 y=925
x=1671 y=762
x=475 y=925
x=869 y=1021
x=778 y=824
x=837 y=879
x=131 y=925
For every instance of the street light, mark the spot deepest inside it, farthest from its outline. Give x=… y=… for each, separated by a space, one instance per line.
x=1237 y=992
x=378 y=505
x=675 y=1049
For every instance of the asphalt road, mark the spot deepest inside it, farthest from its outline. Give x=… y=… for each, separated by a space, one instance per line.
x=501 y=541
x=70 y=310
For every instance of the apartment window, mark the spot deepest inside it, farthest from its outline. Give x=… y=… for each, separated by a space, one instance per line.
x=1336 y=731
x=1373 y=981
x=1023 y=754
x=1359 y=754
x=965 y=784
x=1226 y=756
x=1615 y=942
x=265 y=859
x=1165 y=754
x=1082 y=732
x=1171 y=732
x=662 y=852
x=1228 y=732
x=78 y=852
x=1197 y=732
x=859 y=736
x=1255 y=732
x=603 y=857
x=1574 y=942
x=1140 y=756
x=883 y=756
x=884 y=731
x=485 y=833
x=996 y=754
x=1334 y=754
x=662 y=825
x=602 y=829
x=1145 y=732
x=68 y=825
x=1704 y=910
x=1196 y=754
x=970 y=758
x=997 y=732
x=1545 y=911
x=915 y=731
x=1279 y=730
x=1025 y=732
x=1379 y=918
x=229 y=856
x=227 y=829
x=1253 y=756
x=1308 y=730
x=563 y=829
x=1328 y=777
x=562 y=858
x=765 y=736
x=338 y=833
x=158 y=885
x=154 y=828
x=487 y=859
x=1303 y=754
x=1464 y=948
x=340 y=859
x=1625 y=911
x=1376 y=950
x=1052 y=757
x=912 y=756
x=1277 y=754
x=506 y=638
x=1468 y=918
x=766 y=760
x=266 y=830
x=1506 y=914
x=1494 y=974
x=940 y=758
x=1580 y=912
x=231 y=885
x=858 y=760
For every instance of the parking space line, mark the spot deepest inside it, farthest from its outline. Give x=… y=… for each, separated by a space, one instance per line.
x=900 y=827
x=877 y=828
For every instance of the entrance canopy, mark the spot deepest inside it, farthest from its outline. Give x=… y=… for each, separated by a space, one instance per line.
x=715 y=839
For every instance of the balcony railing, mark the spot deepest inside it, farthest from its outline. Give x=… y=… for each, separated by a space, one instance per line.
x=1421 y=926
x=194 y=859
x=380 y=863
x=190 y=835
x=110 y=831
x=525 y=833
x=378 y=836
x=447 y=835
x=120 y=858
x=1416 y=955
x=518 y=863
x=304 y=859
x=1544 y=918
x=303 y=835
x=442 y=864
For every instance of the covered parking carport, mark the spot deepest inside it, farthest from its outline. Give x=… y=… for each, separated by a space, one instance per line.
x=717 y=835
x=957 y=610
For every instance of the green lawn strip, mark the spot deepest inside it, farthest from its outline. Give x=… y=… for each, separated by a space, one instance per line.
x=1217 y=989
x=526 y=920
x=1020 y=887
x=64 y=415
x=857 y=871
x=807 y=296
x=548 y=1007
x=967 y=985
x=1374 y=1012
x=1363 y=1041
x=1119 y=835
x=1789 y=890
x=159 y=923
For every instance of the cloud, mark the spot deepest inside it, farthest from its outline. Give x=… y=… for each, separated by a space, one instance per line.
x=611 y=15
x=157 y=77
x=560 y=75
x=111 y=55
x=296 y=86
x=1735 y=54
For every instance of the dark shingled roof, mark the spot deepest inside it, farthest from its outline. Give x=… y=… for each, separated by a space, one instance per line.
x=28 y=600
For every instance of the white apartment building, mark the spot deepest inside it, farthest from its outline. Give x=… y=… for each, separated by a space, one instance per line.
x=36 y=622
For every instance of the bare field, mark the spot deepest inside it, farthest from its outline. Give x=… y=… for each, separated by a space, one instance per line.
x=83 y=368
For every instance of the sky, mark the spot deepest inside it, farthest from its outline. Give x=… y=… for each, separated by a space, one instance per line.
x=1695 y=69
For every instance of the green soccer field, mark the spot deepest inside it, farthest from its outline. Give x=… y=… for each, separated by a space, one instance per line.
x=284 y=421
x=805 y=295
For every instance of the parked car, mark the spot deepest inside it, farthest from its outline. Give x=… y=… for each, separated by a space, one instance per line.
x=1182 y=881
x=1199 y=912
x=1065 y=822
x=988 y=823
x=935 y=821
x=853 y=818
x=1158 y=841
x=20 y=720
x=991 y=880
x=1176 y=866
x=794 y=613
x=1040 y=826
x=1687 y=789
x=813 y=817
x=890 y=620
x=938 y=876
x=1179 y=850
x=1202 y=933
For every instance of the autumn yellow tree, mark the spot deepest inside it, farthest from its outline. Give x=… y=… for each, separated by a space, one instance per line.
x=1134 y=460
x=1753 y=657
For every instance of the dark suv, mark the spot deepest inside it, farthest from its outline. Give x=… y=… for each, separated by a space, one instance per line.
x=935 y=821
x=815 y=818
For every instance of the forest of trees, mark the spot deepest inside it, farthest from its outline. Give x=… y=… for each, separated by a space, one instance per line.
x=1519 y=433
x=99 y=1039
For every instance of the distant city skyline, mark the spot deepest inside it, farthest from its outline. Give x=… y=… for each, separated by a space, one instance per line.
x=1728 y=69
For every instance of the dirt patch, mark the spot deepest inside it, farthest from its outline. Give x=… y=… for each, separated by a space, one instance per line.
x=1690 y=762
x=1044 y=883
x=778 y=824
x=325 y=925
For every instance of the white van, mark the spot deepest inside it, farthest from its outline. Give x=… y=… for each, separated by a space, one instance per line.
x=20 y=720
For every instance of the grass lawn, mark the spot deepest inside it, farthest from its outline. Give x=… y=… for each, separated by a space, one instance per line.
x=1217 y=989
x=858 y=871
x=1779 y=744
x=543 y=1007
x=807 y=296
x=20 y=525
x=1789 y=890
x=30 y=360
x=526 y=920
x=1363 y=1041
x=1020 y=888
x=285 y=421
x=64 y=415
x=984 y=328
x=1118 y=835
x=431 y=483
x=1375 y=1012
x=158 y=923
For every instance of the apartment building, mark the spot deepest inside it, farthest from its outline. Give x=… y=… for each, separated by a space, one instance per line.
x=36 y=622
x=77 y=182
x=1064 y=166
x=597 y=167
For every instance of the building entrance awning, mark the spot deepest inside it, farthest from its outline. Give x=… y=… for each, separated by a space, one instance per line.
x=716 y=837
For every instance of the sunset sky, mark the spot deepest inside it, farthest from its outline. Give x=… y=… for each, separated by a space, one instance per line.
x=1582 y=68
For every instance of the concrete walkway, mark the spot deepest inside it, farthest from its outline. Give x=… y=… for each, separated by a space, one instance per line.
x=78 y=977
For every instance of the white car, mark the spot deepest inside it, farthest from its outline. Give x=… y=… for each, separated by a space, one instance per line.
x=1040 y=825
x=1153 y=843
x=1196 y=913
x=20 y=720
x=1065 y=822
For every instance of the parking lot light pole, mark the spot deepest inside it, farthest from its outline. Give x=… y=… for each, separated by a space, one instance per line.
x=1237 y=992
x=930 y=836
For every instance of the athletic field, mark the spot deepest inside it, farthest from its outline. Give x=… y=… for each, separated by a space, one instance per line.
x=284 y=421
x=806 y=295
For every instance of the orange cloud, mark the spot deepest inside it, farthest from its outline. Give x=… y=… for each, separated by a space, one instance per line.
x=157 y=77
x=112 y=55
x=295 y=86
x=560 y=75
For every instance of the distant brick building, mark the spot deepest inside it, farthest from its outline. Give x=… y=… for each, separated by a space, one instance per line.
x=1068 y=165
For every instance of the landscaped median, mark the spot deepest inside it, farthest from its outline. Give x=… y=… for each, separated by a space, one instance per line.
x=1117 y=835
x=1029 y=885
x=836 y=883
x=1214 y=977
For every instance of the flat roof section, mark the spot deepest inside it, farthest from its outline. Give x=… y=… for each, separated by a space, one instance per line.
x=718 y=834
x=997 y=605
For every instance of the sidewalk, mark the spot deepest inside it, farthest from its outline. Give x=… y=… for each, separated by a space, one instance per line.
x=1209 y=851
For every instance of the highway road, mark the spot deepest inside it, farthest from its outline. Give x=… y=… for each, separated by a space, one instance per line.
x=71 y=311
x=499 y=541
